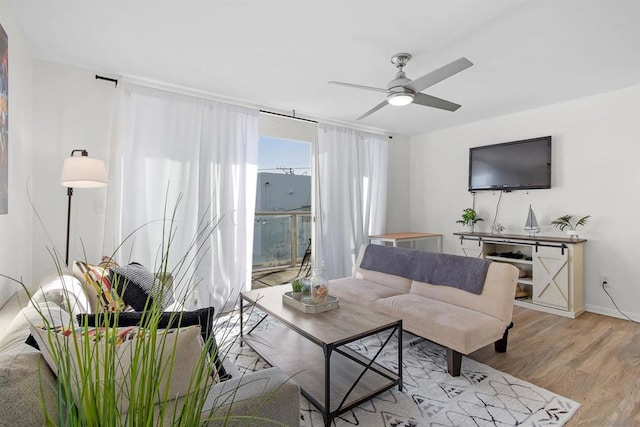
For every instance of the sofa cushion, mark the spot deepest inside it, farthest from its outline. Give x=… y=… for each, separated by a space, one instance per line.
x=452 y=326
x=495 y=300
x=360 y=291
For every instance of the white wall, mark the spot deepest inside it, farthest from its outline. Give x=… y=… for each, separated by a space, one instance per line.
x=398 y=185
x=596 y=152
x=16 y=226
x=72 y=110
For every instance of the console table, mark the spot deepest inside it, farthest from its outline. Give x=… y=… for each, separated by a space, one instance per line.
x=551 y=268
x=409 y=236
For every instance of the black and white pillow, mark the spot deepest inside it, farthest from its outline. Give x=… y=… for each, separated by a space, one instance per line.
x=140 y=288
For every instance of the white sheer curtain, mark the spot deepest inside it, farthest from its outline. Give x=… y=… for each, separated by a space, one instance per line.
x=195 y=156
x=352 y=194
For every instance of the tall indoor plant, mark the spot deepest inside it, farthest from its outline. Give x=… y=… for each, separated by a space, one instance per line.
x=99 y=384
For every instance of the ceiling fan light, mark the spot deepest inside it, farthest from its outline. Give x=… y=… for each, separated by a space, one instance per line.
x=400 y=99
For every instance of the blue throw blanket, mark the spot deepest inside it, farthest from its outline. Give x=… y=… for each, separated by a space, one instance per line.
x=460 y=272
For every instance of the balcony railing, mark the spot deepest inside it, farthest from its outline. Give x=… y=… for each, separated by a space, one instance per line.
x=280 y=239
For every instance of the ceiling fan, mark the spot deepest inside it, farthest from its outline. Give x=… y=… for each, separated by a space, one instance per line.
x=402 y=91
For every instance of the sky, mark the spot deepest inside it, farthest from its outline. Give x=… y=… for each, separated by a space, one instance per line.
x=275 y=153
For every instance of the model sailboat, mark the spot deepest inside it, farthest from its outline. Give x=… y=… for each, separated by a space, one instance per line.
x=531 y=227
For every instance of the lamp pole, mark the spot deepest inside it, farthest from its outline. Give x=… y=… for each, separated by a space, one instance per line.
x=69 y=193
x=80 y=171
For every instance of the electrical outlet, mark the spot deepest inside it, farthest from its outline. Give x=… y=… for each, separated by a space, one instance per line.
x=604 y=281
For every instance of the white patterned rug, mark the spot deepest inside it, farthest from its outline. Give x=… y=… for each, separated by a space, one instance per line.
x=480 y=396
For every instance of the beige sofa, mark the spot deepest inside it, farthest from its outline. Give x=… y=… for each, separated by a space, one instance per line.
x=457 y=319
x=26 y=382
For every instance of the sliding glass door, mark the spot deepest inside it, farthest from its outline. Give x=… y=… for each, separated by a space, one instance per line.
x=284 y=194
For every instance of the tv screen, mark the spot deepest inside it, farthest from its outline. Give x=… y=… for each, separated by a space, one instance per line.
x=517 y=165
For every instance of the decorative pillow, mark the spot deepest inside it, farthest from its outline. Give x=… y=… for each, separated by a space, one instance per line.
x=98 y=278
x=203 y=317
x=140 y=288
x=178 y=362
x=64 y=291
x=89 y=289
x=108 y=262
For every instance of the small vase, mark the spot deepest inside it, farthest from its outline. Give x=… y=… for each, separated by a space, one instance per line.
x=573 y=234
x=497 y=229
x=319 y=287
x=305 y=295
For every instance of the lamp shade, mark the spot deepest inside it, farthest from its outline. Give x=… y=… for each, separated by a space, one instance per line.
x=83 y=172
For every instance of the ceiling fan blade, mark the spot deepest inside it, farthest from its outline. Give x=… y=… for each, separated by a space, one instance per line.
x=432 y=101
x=377 y=89
x=429 y=79
x=373 y=110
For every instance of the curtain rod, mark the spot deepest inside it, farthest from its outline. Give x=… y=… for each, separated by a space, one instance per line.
x=293 y=116
x=202 y=94
x=115 y=81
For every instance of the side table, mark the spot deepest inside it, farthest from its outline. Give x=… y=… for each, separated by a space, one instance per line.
x=409 y=236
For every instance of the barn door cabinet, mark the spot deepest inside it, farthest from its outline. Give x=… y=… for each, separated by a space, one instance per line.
x=551 y=268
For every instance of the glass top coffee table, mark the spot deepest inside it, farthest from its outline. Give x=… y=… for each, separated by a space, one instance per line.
x=312 y=349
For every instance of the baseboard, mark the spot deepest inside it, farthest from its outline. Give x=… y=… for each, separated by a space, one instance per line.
x=612 y=312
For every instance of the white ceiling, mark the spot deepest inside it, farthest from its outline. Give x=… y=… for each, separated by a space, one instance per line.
x=281 y=54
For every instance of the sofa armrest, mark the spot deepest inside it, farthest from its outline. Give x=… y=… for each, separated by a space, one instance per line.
x=264 y=398
x=269 y=394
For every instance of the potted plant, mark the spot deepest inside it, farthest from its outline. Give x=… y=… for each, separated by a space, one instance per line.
x=565 y=222
x=296 y=288
x=469 y=218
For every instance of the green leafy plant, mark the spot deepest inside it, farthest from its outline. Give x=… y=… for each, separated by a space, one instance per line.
x=296 y=286
x=565 y=221
x=469 y=217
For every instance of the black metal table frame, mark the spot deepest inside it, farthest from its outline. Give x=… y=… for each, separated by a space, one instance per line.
x=328 y=349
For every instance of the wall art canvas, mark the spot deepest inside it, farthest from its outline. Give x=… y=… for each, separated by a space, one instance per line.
x=4 y=122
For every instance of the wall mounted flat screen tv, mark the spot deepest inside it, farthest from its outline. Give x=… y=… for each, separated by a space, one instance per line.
x=516 y=165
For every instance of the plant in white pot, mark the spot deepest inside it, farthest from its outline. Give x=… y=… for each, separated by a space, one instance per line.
x=469 y=218
x=566 y=222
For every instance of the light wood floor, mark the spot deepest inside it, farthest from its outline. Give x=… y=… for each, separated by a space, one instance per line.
x=594 y=360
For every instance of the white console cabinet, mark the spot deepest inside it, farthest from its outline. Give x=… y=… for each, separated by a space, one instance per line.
x=551 y=268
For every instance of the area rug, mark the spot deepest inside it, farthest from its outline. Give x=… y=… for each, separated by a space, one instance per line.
x=480 y=396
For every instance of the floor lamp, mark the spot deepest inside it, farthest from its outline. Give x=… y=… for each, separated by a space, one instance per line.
x=80 y=172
